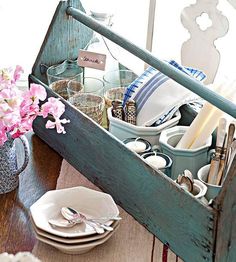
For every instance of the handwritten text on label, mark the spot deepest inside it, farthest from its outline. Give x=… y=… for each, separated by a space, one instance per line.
x=91 y=59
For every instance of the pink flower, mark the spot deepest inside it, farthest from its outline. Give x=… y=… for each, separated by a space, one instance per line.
x=5 y=75
x=19 y=109
x=35 y=93
x=17 y=73
x=8 y=77
x=54 y=107
x=58 y=124
x=3 y=136
x=24 y=126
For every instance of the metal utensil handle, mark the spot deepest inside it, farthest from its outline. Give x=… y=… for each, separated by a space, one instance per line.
x=95 y=226
x=25 y=143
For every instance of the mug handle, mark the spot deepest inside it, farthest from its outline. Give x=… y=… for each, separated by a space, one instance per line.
x=25 y=143
x=210 y=155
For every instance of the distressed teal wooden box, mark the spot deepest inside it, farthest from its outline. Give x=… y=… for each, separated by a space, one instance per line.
x=193 y=231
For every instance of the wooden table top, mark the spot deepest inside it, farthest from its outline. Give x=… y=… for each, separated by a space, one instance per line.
x=40 y=176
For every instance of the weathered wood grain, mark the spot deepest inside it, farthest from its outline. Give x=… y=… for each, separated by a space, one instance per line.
x=153 y=199
x=226 y=224
x=64 y=38
x=39 y=176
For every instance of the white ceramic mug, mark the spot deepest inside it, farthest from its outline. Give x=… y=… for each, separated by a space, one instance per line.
x=199 y=189
x=212 y=190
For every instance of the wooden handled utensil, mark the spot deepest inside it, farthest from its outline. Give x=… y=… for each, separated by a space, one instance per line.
x=222 y=161
x=230 y=138
x=215 y=162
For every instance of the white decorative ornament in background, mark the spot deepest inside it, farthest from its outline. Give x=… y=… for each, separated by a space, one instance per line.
x=19 y=257
x=199 y=50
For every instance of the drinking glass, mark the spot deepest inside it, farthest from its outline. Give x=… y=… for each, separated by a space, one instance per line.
x=116 y=82
x=90 y=98
x=59 y=75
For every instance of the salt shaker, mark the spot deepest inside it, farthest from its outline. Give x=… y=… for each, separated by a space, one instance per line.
x=130 y=112
x=117 y=109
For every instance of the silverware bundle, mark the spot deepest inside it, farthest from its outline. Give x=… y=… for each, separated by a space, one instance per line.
x=221 y=162
x=73 y=217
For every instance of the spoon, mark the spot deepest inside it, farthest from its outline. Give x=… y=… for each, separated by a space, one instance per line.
x=72 y=212
x=75 y=216
x=61 y=223
x=188 y=174
x=186 y=180
x=70 y=223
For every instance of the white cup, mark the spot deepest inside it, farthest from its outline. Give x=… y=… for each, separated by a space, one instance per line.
x=212 y=190
x=199 y=189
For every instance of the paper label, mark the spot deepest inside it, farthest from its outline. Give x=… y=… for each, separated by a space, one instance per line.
x=92 y=60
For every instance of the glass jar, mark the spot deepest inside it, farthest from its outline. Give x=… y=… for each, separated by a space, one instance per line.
x=102 y=45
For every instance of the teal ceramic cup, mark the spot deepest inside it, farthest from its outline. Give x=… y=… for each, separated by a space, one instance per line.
x=191 y=159
x=212 y=190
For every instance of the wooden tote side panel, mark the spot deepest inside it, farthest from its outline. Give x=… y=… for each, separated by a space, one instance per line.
x=64 y=38
x=173 y=215
x=226 y=226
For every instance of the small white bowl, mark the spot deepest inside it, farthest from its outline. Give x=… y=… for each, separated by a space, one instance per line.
x=90 y=202
x=75 y=249
x=74 y=240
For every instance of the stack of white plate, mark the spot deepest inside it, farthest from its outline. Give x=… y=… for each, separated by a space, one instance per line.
x=81 y=237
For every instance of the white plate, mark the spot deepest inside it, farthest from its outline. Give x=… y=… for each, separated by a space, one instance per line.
x=72 y=240
x=75 y=249
x=90 y=202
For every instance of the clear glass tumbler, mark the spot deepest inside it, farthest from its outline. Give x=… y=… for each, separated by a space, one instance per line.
x=90 y=99
x=116 y=83
x=59 y=76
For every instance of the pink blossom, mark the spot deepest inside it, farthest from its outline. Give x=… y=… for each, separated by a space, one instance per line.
x=17 y=73
x=54 y=107
x=35 y=93
x=5 y=75
x=3 y=136
x=19 y=109
x=24 y=126
x=58 y=124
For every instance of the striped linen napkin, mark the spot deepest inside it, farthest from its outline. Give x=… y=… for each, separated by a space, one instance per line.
x=157 y=96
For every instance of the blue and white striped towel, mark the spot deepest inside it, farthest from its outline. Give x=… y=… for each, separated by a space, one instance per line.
x=157 y=96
